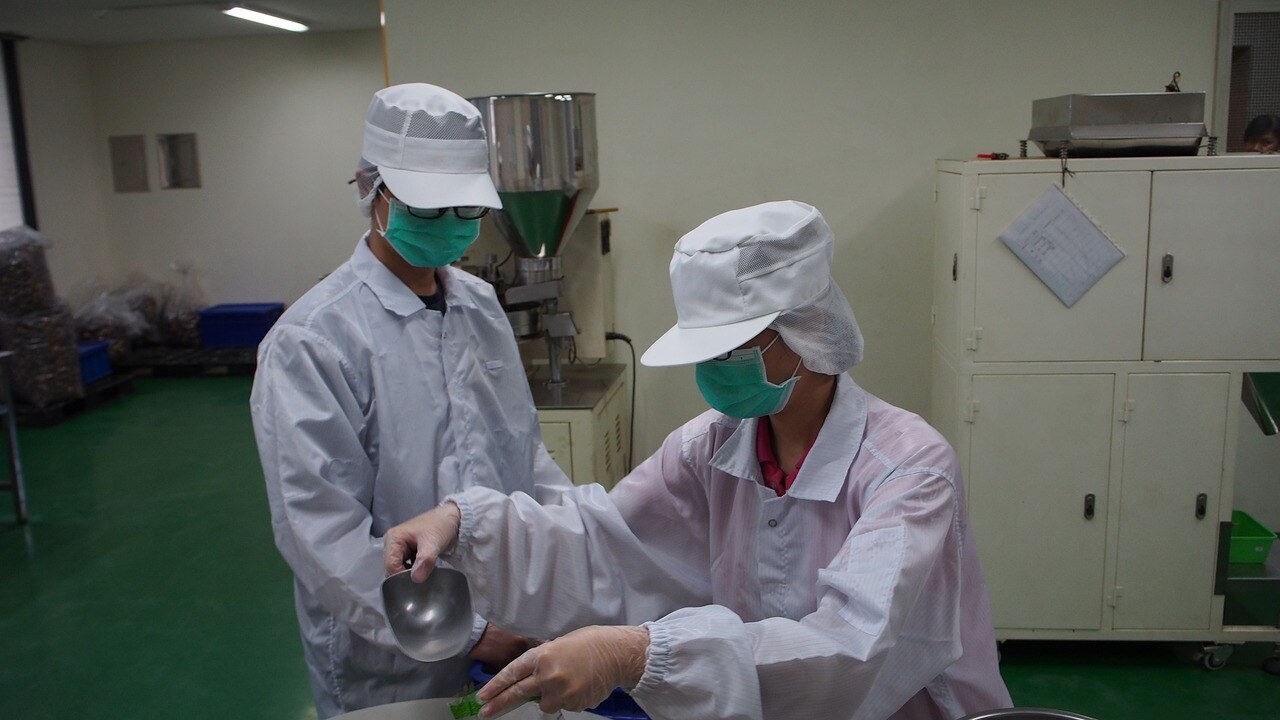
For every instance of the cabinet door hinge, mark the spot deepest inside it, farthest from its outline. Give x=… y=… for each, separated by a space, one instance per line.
x=1127 y=409
x=975 y=198
x=971 y=411
x=1113 y=597
x=971 y=341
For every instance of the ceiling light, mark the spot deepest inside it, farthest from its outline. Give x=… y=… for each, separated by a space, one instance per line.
x=265 y=19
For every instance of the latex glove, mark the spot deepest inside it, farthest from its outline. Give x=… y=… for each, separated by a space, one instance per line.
x=497 y=647
x=424 y=538
x=573 y=672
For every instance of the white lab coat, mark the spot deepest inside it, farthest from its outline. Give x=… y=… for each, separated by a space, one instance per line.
x=858 y=594
x=368 y=409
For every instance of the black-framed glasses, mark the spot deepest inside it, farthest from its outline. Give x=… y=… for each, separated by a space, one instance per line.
x=464 y=212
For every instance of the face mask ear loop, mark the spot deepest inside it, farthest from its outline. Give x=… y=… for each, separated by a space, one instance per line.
x=777 y=336
x=766 y=349
x=382 y=229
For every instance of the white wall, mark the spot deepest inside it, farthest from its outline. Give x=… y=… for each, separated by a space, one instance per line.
x=278 y=122
x=69 y=182
x=707 y=106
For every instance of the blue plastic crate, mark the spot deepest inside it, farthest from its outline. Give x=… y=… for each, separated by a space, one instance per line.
x=618 y=705
x=95 y=364
x=237 y=324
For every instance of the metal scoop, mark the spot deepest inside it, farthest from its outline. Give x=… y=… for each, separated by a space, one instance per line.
x=430 y=620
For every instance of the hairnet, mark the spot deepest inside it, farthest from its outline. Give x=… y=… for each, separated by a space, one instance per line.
x=823 y=332
x=368 y=180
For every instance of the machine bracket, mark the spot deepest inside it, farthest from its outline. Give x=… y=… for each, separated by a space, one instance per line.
x=561 y=325
x=534 y=292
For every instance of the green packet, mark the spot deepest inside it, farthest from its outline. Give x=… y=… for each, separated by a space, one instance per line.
x=468 y=706
x=465 y=706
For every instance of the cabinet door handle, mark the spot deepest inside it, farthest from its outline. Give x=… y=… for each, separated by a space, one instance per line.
x=1088 y=506
x=955 y=266
x=1202 y=505
x=1166 y=268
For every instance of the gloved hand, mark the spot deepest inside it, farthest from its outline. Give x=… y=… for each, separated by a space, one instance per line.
x=497 y=647
x=573 y=672
x=424 y=538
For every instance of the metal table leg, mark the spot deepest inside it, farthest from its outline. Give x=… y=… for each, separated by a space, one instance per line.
x=11 y=425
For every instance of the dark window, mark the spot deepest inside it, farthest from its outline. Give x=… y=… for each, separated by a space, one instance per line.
x=17 y=206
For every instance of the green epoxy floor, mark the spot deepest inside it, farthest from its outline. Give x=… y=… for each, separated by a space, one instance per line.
x=147 y=586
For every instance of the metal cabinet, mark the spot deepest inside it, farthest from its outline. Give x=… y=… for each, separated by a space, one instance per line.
x=1016 y=318
x=1039 y=474
x=1220 y=242
x=1171 y=478
x=1098 y=441
x=586 y=425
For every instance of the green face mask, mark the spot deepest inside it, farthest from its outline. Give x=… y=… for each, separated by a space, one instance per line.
x=737 y=386
x=428 y=243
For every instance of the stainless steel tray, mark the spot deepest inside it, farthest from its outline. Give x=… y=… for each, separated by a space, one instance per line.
x=1119 y=124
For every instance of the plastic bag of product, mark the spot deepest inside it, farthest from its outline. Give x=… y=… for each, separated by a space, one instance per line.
x=45 y=367
x=146 y=298
x=25 y=284
x=180 y=319
x=101 y=314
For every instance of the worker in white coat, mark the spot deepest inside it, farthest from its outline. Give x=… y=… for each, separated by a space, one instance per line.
x=801 y=550
x=392 y=383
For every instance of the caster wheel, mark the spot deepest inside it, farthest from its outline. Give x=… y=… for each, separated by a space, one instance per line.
x=1212 y=661
x=1214 y=657
x=1272 y=666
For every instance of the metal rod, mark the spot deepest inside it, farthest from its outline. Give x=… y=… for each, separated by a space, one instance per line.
x=15 y=462
x=553 y=350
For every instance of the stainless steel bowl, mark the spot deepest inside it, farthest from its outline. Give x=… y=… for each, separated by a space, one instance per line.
x=430 y=620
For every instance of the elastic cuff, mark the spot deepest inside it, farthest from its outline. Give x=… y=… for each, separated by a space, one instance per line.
x=658 y=663
x=466 y=523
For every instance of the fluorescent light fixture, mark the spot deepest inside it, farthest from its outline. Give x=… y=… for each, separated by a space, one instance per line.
x=265 y=19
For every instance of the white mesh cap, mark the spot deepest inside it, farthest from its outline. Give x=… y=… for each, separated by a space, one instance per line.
x=429 y=148
x=747 y=270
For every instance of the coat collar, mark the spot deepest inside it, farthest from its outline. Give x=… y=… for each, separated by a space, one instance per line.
x=394 y=295
x=826 y=468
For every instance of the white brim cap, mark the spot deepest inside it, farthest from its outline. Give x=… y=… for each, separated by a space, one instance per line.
x=429 y=146
x=682 y=346
x=437 y=190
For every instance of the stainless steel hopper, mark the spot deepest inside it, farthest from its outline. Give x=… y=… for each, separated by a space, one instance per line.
x=542 y=157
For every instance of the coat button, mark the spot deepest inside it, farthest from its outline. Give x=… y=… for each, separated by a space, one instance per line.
x=773 y=523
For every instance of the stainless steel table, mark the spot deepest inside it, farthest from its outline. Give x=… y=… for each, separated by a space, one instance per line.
x=439 y=710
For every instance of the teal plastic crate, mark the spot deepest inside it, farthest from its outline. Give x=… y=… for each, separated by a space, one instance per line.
x=1250 y=541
